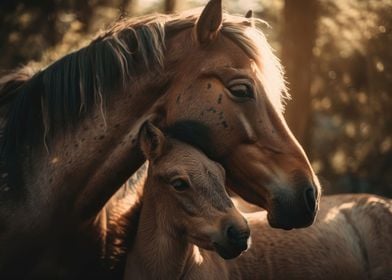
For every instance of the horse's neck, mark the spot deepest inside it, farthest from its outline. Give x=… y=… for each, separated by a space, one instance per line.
x=3 y=119
x=104 y=141
x=156 y=253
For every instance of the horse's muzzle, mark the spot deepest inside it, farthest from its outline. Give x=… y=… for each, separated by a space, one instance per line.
x=288 y=211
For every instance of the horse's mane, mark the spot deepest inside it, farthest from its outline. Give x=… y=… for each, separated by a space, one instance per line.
x=57 y=97
x=10 y=83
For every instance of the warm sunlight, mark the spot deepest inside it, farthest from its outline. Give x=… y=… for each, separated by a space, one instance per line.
x=196 y=139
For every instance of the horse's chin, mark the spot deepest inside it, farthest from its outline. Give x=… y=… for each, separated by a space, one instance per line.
x=287 y=224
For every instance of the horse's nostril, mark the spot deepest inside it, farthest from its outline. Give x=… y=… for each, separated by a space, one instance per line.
x=310 y=200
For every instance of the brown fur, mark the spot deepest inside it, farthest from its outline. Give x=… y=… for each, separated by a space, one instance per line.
x=350 y=239
x=123 y=218
x=69 y=135
x=201 y=213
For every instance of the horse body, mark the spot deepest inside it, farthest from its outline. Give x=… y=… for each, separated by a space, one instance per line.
x=68 y=138
x=350 y=239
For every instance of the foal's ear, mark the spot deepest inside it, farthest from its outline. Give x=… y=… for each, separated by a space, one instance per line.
x=209 y=22
x=152 y=141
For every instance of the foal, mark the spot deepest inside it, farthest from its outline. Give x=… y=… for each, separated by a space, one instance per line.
x=185 y=211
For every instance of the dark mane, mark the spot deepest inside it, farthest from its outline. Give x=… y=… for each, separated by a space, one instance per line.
x=55 y=98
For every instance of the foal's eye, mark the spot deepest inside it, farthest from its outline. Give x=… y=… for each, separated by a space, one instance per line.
x=179 y=184
x=241 y=92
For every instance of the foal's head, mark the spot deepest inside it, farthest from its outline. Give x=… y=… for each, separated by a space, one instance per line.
x=188 y=189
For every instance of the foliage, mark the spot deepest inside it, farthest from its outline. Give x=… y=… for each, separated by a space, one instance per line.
x=351 y=143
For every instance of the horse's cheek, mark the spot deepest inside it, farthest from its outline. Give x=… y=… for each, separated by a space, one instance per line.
x=186 y=104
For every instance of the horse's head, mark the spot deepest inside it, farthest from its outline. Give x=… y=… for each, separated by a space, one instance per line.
x=227 y=99
x=189 y=188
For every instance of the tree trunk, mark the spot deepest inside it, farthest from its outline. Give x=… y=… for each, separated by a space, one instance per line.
x=170 y=6
x=299 y=33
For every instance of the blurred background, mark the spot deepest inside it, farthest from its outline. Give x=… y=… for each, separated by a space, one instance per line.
x=337 y=56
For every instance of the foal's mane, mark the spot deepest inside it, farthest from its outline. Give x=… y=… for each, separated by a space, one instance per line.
x=57 y=97
x=123 y=211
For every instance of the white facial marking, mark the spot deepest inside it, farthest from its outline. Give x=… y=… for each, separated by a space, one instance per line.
x=248 y=128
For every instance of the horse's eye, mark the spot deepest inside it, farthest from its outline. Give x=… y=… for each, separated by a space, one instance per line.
x=179 y=184
x=241 y=92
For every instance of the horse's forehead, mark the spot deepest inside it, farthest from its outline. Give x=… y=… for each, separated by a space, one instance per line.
x=184 y=156
x=222 y=52
x=225 y=53
x=191 y=161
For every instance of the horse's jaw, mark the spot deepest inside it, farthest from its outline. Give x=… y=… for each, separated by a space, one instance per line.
x=290 y=197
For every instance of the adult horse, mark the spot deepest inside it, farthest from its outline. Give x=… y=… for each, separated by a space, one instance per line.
x=68 y=132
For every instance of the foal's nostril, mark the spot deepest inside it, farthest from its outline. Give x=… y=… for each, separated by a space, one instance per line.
x=236 y=236
x=310 y=200
x=232 y=233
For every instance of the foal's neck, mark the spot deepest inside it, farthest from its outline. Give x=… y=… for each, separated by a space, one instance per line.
x=159 y=252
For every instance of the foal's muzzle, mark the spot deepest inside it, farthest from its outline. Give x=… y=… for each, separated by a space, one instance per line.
x=235 y=241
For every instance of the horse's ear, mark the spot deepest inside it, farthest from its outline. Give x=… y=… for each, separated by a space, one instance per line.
x=209 y=22
x=249 y=16
x=152 y=141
